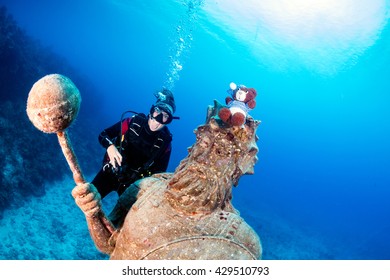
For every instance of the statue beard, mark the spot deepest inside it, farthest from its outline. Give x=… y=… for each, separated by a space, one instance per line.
x=200 y=188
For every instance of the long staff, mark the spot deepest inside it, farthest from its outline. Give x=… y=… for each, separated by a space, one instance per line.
x=53 y=104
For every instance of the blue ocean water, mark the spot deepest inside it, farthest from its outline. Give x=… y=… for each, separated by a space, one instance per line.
x=321 y=185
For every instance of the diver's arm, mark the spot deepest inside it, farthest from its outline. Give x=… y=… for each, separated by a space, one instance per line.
x=108 y=135
x=100 y=228
x=107 y=139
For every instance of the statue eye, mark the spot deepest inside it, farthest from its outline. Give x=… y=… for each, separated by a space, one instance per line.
x=223 y=152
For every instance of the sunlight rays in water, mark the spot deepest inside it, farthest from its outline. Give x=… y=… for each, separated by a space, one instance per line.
x=322 y=36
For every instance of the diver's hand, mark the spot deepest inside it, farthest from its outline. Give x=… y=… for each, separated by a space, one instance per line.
x=87 y=198
x=115 y=156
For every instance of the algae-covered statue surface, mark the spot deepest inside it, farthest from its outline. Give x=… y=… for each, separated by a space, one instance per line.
x=185 y=215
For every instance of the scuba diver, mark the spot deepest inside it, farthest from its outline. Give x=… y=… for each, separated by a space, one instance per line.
x=137 y=146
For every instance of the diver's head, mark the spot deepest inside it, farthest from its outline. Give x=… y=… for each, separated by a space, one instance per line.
x=157 y=118
x=164 y=108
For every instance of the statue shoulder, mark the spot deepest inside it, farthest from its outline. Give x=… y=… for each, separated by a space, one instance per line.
x=155 y=179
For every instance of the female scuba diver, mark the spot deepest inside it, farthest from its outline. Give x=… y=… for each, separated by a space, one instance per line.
x=137 y=147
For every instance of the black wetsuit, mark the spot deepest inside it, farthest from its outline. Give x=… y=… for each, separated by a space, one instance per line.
x=144 y=152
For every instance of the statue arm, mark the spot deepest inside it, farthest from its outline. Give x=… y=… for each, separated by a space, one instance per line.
x=100 y=228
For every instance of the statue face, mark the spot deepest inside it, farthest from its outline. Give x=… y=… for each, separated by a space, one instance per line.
x=213 y=150
x=219 y=157
x=248 y=161
x=222 y=152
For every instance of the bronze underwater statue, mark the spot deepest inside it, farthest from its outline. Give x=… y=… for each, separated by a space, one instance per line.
x=185 y=215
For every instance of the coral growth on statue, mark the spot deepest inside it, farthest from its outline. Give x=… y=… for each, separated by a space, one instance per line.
x=187 y=214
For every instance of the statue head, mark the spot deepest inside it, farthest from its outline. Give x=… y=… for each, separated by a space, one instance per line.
x=215 y=162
